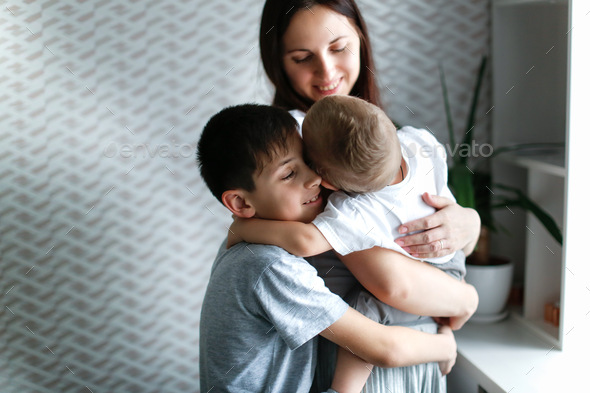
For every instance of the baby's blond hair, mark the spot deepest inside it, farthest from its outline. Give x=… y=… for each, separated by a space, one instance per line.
x=350 y=143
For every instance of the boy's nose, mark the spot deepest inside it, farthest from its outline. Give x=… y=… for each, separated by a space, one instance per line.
x=314 y=179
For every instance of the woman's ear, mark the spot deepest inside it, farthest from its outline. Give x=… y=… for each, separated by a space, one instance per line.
x=329 y=186
x=236 y=202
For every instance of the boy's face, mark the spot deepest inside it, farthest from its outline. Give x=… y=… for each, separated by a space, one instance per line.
x=287 y=189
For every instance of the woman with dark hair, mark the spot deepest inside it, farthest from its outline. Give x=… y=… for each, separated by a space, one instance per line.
x=311 y=49
x=276 y=20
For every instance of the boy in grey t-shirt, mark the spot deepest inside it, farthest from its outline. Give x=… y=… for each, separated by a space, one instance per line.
x=264 y=307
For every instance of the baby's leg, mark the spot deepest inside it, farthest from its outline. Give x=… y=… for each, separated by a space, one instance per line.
x=351 y=372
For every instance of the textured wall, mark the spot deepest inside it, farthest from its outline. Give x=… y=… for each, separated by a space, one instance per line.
x=107 y=233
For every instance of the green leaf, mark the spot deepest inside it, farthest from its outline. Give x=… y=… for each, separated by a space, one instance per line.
x=461 y=183
x=468 y=137
x=450 y=128
x=524 y=202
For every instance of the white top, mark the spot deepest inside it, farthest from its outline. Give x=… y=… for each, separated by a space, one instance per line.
x=354 y=222
x=299 y=116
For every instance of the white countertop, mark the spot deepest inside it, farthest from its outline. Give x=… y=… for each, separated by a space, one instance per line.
x=507 y=357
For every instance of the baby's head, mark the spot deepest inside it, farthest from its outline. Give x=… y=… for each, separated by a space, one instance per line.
x=351 y=143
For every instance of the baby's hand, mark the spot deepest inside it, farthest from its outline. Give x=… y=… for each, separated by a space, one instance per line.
x=442 y=321
x=446 y=366
x=457 y=322
x=233 y=236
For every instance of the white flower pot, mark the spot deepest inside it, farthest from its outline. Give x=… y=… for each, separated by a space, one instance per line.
x=493 y=283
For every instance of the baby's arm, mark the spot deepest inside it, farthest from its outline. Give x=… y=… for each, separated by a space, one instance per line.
x=298 y=238
x=412 y=286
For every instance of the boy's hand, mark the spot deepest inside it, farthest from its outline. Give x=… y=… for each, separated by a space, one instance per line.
x=446 y=366
x=233 y=237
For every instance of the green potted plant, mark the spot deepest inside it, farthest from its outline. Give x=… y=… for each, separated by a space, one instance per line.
x=474 y=187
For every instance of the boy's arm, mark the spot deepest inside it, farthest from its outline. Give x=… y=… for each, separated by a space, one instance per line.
x=412 y=286
x=297 y=238
x=390 y=346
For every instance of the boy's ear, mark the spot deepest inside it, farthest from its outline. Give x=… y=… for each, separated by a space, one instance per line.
x=236 y=202
x=329 y=186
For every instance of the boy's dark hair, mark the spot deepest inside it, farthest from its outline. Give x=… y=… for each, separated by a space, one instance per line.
x=238 y=141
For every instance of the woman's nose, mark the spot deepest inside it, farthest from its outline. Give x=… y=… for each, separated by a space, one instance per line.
x=325 y=67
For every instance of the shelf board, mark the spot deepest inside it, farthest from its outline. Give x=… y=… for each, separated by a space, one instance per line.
x=507 y=357
x=498 y=354
x=539 y=327
x=527 y=2
x=550 y=161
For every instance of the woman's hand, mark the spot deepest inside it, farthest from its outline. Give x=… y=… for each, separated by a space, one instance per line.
x=450 y=229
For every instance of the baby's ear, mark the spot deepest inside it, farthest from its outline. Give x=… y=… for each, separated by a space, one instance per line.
x=329 y=186
x=236 y=202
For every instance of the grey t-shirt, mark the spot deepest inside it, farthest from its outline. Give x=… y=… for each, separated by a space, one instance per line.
x=262 y=311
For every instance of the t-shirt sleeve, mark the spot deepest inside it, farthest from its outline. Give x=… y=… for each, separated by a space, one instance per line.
x=296 y=300
x=343 y=226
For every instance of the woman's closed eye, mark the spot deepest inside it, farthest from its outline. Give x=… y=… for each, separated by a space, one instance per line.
x=302 y=60
x=309 y=57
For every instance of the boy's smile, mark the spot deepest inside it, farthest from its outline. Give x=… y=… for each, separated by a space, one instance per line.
x=287 y=189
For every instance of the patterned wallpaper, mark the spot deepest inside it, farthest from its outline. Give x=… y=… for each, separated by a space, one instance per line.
x=107 y=233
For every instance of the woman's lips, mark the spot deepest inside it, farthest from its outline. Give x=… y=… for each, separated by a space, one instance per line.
x=329 y=89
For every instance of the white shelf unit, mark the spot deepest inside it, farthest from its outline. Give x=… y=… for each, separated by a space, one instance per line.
x=530 y=75
x=540 y=63
x=543 y=266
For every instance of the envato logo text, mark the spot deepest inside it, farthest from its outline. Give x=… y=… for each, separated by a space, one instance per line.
x=148 y=150
x=473 y=150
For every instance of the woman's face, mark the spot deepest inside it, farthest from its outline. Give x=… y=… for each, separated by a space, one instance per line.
x=321 y=53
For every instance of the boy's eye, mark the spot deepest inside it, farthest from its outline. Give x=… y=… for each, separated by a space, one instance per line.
x=290 y=175
x=339 y=50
